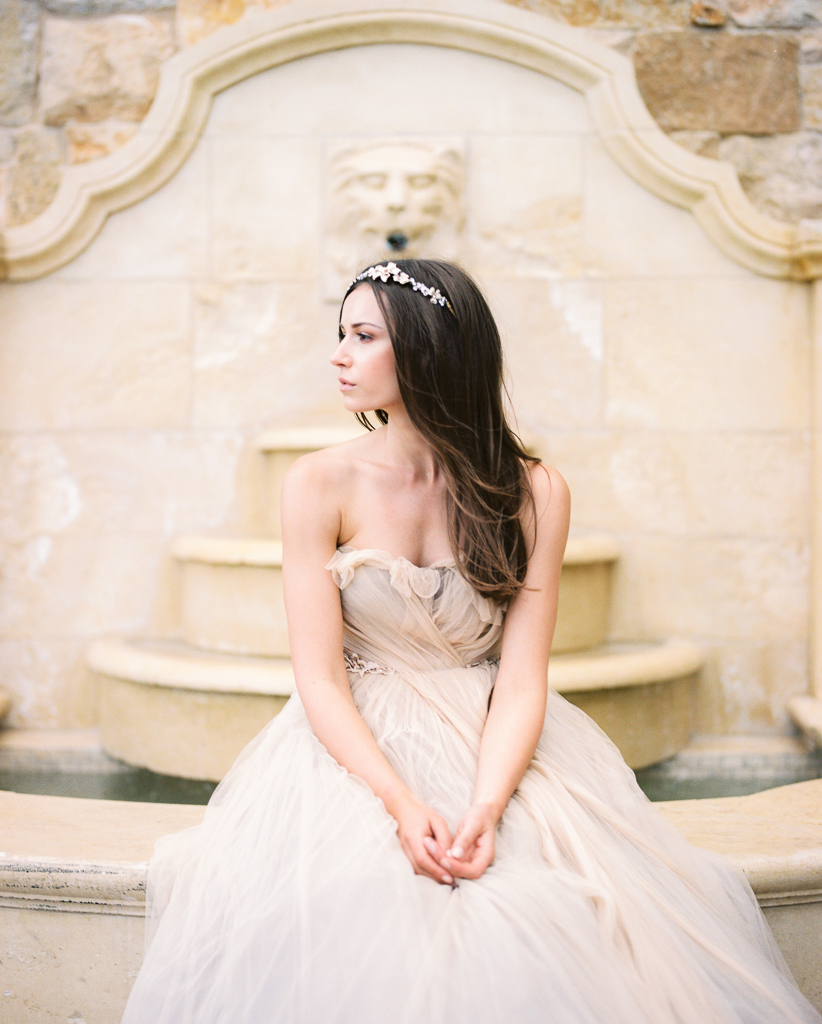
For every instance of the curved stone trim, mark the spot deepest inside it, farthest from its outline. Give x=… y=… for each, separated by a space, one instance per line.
x=79 y=886
x=178 y=666
x=228 y=551
x=769 y=835
x=775 y=837
x=616 y=666
x=265 y=39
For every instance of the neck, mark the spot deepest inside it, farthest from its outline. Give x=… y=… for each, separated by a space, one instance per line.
x=406 y=447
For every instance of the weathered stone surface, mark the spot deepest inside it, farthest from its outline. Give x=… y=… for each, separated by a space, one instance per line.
x=88 y=141
x=6 y=146
x=19 y=31
x=810 y=47
x=811 y=80
x=707 y=15
x=723 y=83
x=102 y=69
x=774 y=13
x=98 y=8
x=34 y=175
x=199 y=18
x=637 y=13
x=780 y=174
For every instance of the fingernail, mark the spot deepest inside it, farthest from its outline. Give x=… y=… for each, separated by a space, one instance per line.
x=448 y=879
x=456 y=851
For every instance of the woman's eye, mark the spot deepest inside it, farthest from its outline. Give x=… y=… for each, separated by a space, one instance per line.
x=364 y=337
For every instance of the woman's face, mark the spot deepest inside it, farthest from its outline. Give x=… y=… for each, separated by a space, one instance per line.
x=364 y=357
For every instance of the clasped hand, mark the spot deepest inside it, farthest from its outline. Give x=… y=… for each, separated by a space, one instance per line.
x=428 y=844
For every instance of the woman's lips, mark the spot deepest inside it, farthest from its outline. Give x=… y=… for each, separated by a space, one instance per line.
x=345 y=385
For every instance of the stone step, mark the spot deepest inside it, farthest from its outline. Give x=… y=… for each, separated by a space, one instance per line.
x=179 y=711
x=231 y=594
x=167 y=706
x=281 y=449
x=639 y=694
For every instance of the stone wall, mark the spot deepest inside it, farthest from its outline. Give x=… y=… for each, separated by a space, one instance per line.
x=740 y=80
x=668 y=383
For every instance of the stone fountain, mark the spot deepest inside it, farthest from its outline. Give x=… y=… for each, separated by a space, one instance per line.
x=187 y=705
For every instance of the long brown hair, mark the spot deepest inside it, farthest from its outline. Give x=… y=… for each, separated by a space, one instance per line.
x=450 y=375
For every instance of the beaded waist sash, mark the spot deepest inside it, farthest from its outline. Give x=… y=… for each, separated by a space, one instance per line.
x=360 y=666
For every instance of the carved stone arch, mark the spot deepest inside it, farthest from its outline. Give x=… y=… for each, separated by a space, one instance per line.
x=263 y=40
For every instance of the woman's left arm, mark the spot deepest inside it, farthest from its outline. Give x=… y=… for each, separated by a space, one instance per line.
x=517 y=711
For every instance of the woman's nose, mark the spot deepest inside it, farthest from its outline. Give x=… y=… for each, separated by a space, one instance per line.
x=340 y=356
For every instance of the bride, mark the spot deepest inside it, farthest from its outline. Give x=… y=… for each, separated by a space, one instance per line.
x=426 y=834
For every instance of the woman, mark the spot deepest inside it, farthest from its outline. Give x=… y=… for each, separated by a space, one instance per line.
x=414 y=839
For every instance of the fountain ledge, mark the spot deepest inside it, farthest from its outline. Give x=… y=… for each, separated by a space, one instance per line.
x=73 y=872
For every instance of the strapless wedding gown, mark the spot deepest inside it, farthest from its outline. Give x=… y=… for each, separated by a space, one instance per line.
x=293 y=903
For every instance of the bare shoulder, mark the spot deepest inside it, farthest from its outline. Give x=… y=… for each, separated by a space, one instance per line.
x=317 y=489
x=329 y=469
x=550 y=491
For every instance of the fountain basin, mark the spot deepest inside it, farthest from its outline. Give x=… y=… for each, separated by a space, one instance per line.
x=72 y=882
x=182 y=711
x=231 y=596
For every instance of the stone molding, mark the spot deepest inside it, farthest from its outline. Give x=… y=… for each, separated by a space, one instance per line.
x=265 y=39
x=184 y=668
x=617 y=666
x=229 y=550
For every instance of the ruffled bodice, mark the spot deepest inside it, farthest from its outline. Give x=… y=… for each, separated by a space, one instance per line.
x=399 y=614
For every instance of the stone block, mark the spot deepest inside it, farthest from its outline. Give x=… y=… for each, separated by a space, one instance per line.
x=101 y=69
x=723 y=83
x=197 y=19
x=686 y=482
x=553 y=333
x=167 y=233
x=707 y=354
x=774 y=13
x=810 y=78
x=103 y=8
x=19 y=40
x=48 y=682
x=6 y=145
x=63 y=961
x=262 y=354
x=109 y=481
x=593 y=13
x=34 y=175
x=88 y=141
x=69 y=586
x=534 y=225
x=629 y=232
x=721 y=590
x=810 y=46
x=707 y=15
x=780 y=173
x=745 y=687
x=265 y=207
x=104 y=355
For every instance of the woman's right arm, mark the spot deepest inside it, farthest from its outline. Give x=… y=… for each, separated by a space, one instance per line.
x=311 y=528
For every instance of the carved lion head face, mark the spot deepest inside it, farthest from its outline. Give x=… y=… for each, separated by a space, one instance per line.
x=394 y=196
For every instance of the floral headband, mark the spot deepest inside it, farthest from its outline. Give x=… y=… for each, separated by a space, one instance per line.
x=390 y=271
